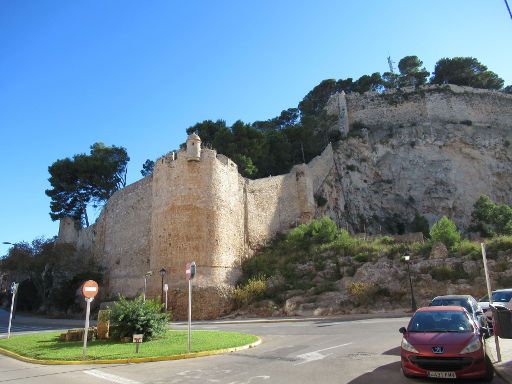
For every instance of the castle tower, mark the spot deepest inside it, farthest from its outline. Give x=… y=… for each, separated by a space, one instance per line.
x=68 y=231
x=193 y=147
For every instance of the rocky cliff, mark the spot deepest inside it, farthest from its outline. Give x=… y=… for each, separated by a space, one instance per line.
x=431 y=152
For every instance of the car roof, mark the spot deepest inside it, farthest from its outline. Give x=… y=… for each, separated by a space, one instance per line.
x=453 y=297
x=503 y=290
x=445 y=308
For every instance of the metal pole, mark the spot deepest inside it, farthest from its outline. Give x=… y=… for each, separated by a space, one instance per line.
x=489 y=293
x=189 y=313
x=414 y=307
x=10 y=316
x=87 y=313
x=162 y=294
x=165 y=301
x=144 y=294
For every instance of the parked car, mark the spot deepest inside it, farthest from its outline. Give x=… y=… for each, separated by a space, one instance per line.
x=500 y=297
x=444 y=342
x=469 y=303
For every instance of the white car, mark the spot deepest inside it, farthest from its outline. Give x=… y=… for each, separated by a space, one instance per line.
x=500 y=298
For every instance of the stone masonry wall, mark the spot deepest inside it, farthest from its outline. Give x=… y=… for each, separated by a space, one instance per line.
x=448 y=103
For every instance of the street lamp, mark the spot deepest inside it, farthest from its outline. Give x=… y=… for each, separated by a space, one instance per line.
x=146 y=275
x=407 y=259
x=162 y=274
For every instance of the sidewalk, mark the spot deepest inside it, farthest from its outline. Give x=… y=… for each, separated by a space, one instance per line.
x=503 y=368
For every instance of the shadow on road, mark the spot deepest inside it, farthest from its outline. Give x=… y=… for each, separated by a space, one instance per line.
x=393 y=352
x=391 y=373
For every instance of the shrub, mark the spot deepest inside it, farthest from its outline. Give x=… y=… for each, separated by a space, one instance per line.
x=362 y=292
x=362 y=257
x=322 y=230
x=442 y=273
x=320 y=200
x=420 y=224
x=255 y=289
x=137 y=316
x=500 y=243
x=468 y=248
x=445 y=232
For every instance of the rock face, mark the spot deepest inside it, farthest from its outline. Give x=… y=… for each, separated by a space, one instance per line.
x=431 y=152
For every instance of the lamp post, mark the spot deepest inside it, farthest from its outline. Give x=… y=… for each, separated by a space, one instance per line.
x=407 y=259
x=162 y=274
x=146 y=275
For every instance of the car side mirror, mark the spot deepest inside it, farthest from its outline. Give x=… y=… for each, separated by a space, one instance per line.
x=402 y=330
x=479 y=313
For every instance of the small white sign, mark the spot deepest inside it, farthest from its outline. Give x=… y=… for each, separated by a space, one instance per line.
x=90 y=289
x=166 y=287
x=137 y=338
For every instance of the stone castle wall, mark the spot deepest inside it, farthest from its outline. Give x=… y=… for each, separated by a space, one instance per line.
x=197 y=207
x=448 y=103
x=201 y=211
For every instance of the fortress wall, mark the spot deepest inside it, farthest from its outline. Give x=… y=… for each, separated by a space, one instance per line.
x=272 y=207
x=469 y=104
x=124 y=235
x=197 y=216
x=379 y=110
x=449 y=104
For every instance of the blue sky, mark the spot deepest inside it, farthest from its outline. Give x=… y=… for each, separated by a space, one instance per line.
x=137 y=74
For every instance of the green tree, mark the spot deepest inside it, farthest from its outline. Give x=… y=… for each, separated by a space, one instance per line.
x=507 y=89
x=445 y=231
x=367 y=83
x=86 y=179
x=49 y=268
x=147 y=168
x=420 y=224
x=465 y=71
x=411 y=72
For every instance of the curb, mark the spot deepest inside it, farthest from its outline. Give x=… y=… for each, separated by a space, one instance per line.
x=130 y=360
x=352 y=317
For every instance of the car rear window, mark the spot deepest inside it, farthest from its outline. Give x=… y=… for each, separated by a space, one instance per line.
x=442 y=321
x=459 y=302
x=501 y=297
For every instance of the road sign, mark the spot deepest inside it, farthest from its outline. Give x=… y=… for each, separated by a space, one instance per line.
x=90 y=289
x=190 y=270
x=137 y=339
x=166 y=287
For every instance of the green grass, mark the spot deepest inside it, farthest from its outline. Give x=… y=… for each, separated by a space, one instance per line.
x=46 y=346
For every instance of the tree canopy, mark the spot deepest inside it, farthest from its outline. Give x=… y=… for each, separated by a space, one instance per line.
x=465 y=71
x=86 y=179
x=273 y=146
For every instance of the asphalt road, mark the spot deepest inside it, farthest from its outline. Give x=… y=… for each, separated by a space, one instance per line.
x=363 y=351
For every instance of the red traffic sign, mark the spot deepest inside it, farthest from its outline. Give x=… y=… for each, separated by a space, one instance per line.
x=90 y=289
x=190 y=270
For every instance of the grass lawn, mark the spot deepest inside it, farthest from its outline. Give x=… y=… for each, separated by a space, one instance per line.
x=46 y=346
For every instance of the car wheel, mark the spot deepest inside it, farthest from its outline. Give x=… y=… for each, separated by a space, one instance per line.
x=489 y=370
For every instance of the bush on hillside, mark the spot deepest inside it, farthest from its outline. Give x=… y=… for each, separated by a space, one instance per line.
x=137 y=316
x=445 y=231
x=318 y=231
x=255 y=289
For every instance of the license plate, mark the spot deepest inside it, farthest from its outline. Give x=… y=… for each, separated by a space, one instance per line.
x=442 y=375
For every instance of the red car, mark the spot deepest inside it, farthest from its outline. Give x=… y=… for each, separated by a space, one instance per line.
x=444 y=342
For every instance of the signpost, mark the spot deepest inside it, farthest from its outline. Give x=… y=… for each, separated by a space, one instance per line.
x=14 y=289
x=166 y=288
x=89 y=291
x=137 y=339
x=190 y=272
x=489 y=293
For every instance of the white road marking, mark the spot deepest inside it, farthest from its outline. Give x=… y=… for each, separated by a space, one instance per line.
x=109 y=377
x=316 y=355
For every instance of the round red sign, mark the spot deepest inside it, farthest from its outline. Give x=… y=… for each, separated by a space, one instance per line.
x=90 y=289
